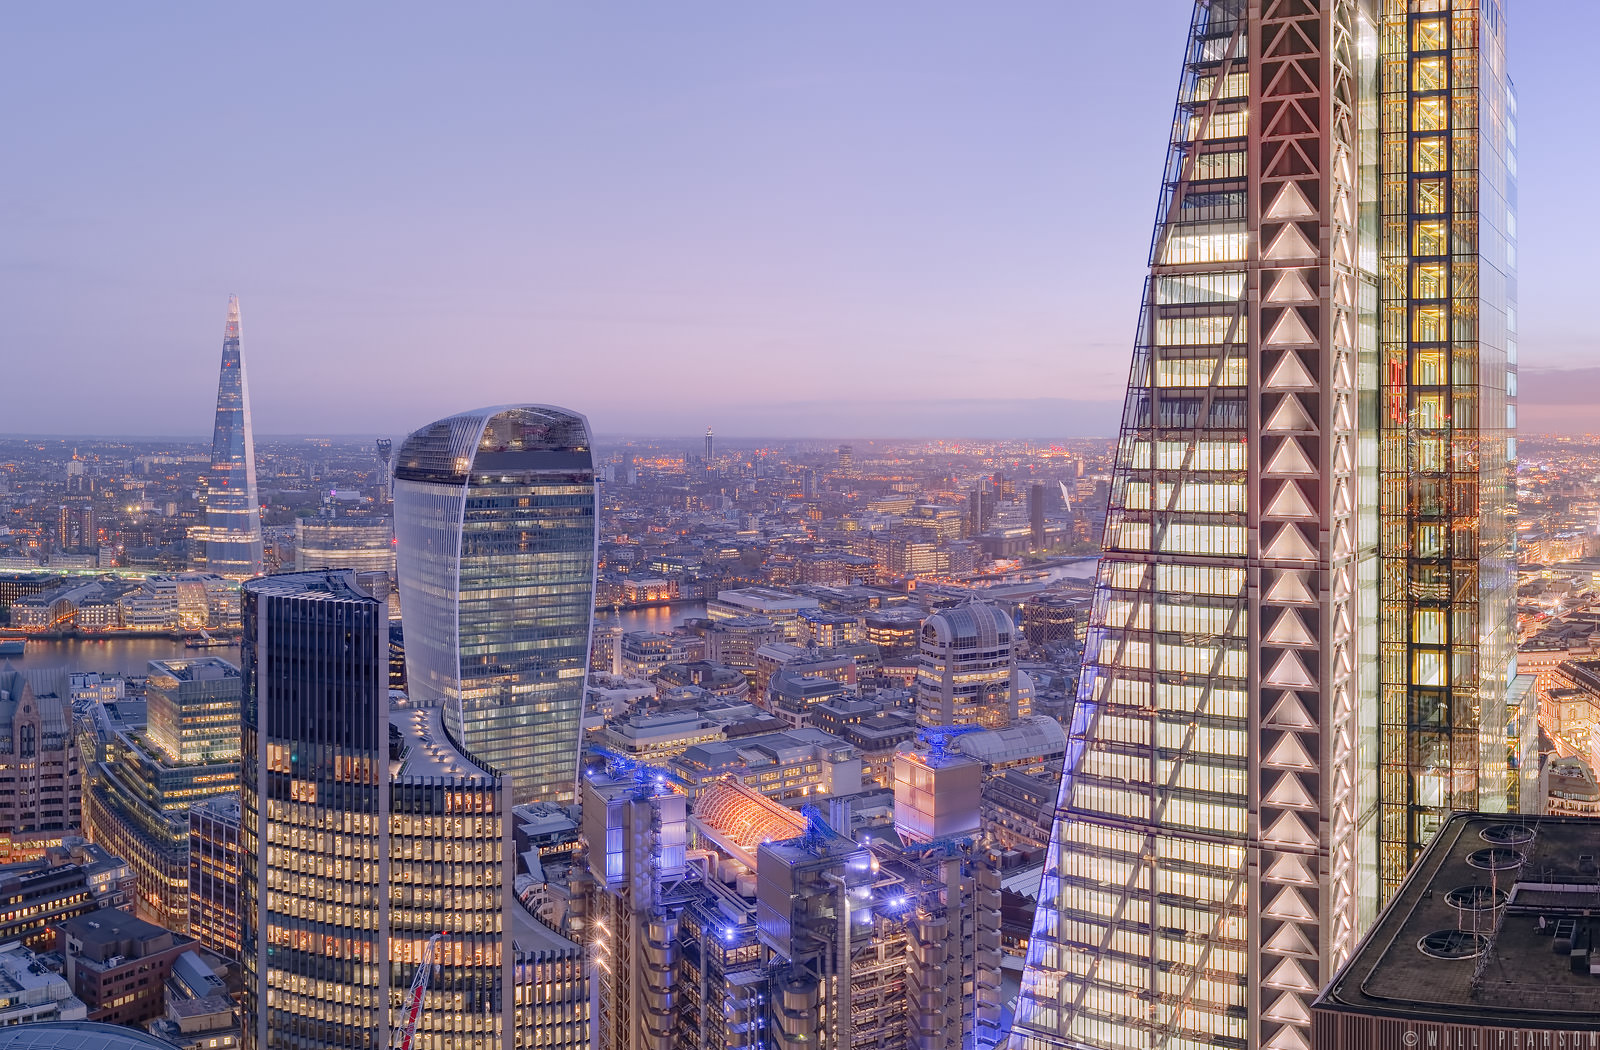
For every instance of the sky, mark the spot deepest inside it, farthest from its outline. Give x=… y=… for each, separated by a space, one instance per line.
x=905 y=218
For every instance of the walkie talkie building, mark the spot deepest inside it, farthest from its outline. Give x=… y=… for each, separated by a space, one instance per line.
x=1322 y=350
x=495 y=522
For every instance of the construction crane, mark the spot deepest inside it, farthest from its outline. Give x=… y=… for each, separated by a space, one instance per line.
x=419 y=988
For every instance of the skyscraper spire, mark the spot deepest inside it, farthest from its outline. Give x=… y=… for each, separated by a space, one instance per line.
x=231 y=538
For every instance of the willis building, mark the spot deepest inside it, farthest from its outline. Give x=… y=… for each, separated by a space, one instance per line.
x=1298 y=651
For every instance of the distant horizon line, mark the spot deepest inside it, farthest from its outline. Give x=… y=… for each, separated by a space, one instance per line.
x=639 y=435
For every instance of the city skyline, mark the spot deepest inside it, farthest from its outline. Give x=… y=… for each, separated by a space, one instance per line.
x=918 y=211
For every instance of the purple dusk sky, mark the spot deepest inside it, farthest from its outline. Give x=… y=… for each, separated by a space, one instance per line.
x=814 y=219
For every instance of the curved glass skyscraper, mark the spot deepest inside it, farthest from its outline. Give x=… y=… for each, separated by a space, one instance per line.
x=231 y=539
x=494 y=515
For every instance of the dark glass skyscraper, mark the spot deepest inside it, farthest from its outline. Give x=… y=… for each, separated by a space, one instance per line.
x=231 y=536
x=494 y=515
x=363 y=833
x=1320 y=387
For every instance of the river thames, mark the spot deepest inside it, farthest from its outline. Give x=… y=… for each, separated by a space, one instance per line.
x=132 y=656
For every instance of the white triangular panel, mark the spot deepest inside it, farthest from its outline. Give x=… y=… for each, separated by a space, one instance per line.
x=1290 y=459
x=1290 y=867
x=1290 y=629
x=1290 y=502
x=1346 y=370
x=1290 y=713
x=1290 y=415
x=1341 y=250
x=1289 y=974
x=1289 y=1009
x=1289 y=753
x=1344 y=414
x=1343 y=207
x=1291 y=244
x=1346 y=287
x=1290 y=374
x=1290 y=906
x=1287 y=1038
x=1291 y=588
x=1290 y=941
x=1290 y=793
x=1289 y=673
x=1290 y=203
x=1289 y=830
x=1291 y=287
x=1343 y=542
x=1290 y=330
x=1290 y=544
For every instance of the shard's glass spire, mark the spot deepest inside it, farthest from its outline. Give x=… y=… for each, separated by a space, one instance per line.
x=231 y=538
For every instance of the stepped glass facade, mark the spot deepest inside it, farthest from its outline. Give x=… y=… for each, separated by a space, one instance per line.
x=495 y=523
x=231 y=536
x=1216 y=851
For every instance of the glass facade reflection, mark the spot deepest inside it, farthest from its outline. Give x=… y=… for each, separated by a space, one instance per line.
x=495 y=523
x=1208 y=865
x=1448 y=340
x=231 y=536
x=1300 y=641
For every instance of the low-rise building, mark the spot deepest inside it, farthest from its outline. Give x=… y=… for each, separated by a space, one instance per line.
x=118 y=964
x=40 y=798
x=788 y=766
x=657 y=737
x=1490 y=942
x=781 y=607
x=198 y=1012
x=72 y=879
x=32 y=994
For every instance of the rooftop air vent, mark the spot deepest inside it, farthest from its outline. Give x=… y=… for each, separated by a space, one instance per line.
x=1495 y=858
x=1453 y=944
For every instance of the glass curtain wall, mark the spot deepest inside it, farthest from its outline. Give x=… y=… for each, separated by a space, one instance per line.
x=1448 y=344
x=495 y=522
x=232 y=534
x=1141 y=924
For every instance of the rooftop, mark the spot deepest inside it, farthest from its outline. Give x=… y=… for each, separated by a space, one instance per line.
x=77 y=1035
x=198 y=669
x=427 y=750
x=1492 y=926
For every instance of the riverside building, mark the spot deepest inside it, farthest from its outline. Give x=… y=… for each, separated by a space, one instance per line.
x=230 y=539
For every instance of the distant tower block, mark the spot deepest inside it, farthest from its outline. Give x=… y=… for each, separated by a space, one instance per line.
x=710 y=449
x=847 y=459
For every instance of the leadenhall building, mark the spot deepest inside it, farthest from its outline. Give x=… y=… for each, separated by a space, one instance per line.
x=1300 y=643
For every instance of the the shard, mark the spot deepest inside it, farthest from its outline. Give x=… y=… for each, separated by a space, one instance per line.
x=230 y=540
x=1320 y=388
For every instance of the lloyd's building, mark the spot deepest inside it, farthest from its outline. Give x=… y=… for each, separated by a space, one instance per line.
x=1299 y=649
